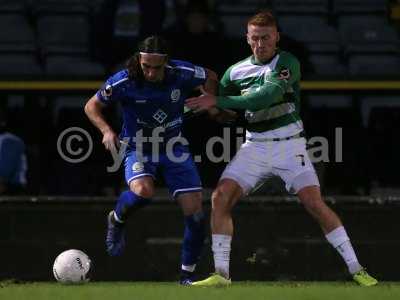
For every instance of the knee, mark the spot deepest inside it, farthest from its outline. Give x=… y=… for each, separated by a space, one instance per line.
x=311 y=198
x=220 y=202
x=142 y=189
x=313 y=204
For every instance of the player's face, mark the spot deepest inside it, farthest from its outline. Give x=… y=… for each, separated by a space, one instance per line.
x=153 y=66
x=262 y=40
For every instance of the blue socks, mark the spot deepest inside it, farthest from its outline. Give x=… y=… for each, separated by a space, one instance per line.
x=194 y=233
x=193 y=238
x=127 y=203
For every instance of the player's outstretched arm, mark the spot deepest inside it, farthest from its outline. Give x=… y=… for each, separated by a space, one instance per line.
x=210 y=89
x=93 y=110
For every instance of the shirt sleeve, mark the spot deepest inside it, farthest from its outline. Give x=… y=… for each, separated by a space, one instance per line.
x=226 y=87
x=109 y=92
x=276 y=84
x=196 y=76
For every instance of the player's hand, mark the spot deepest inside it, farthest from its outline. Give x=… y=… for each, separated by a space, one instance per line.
x=203 y=102
x=110 y=140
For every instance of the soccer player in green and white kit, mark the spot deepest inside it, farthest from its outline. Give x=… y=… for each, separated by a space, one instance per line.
x=266 y=86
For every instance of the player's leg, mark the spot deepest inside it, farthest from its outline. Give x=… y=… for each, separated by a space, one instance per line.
x=141 y=190
x=183 y=181
x=139 y=195
x=224 y=198
x=239 y=177
x=139 y=177
x=194 y=233
x=310 y=197
x=296 y=169
x=335 y=233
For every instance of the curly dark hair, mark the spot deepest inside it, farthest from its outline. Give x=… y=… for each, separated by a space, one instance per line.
x=152 y=44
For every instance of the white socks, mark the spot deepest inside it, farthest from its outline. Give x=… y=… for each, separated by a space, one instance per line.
x=340 y=241
x=189 y=268
x=221 y=246
x=338 y=238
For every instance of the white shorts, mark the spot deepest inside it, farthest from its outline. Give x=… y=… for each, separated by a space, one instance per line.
x=255 y=162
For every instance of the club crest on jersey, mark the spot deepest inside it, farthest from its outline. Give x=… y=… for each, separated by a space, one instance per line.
x=175 y=95
x=137 y=167
x=107 y=91
x=284 y=74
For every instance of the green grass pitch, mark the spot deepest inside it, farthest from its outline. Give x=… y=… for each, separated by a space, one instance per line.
x=165 y=291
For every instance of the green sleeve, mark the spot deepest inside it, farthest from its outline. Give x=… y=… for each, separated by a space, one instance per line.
x=226 y=86
x=274 y=87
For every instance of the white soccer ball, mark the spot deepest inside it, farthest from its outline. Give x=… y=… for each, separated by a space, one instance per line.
x=72 y=266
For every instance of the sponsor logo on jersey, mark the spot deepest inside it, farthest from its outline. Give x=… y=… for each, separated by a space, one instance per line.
x=160 y=116
x=173 y=123
x=175 y=95
x=137 y=167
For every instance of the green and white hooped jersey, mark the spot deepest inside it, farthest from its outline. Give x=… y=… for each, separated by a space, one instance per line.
x=269 y=93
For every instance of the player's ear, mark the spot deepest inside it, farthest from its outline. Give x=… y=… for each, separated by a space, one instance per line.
x=248 y=39
x=278 y=37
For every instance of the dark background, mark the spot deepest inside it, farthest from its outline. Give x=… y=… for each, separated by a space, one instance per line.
x=91 y=39
x=275 y=239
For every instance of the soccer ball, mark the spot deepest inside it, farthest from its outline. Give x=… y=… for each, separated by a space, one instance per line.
x=72 y=266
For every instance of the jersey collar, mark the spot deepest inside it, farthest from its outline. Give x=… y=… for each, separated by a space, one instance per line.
x=254 y=62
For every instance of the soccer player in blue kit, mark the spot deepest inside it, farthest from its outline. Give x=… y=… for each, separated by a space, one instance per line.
x=151 y=91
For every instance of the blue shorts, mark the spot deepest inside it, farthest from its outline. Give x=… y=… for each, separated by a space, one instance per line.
x=180 y=176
